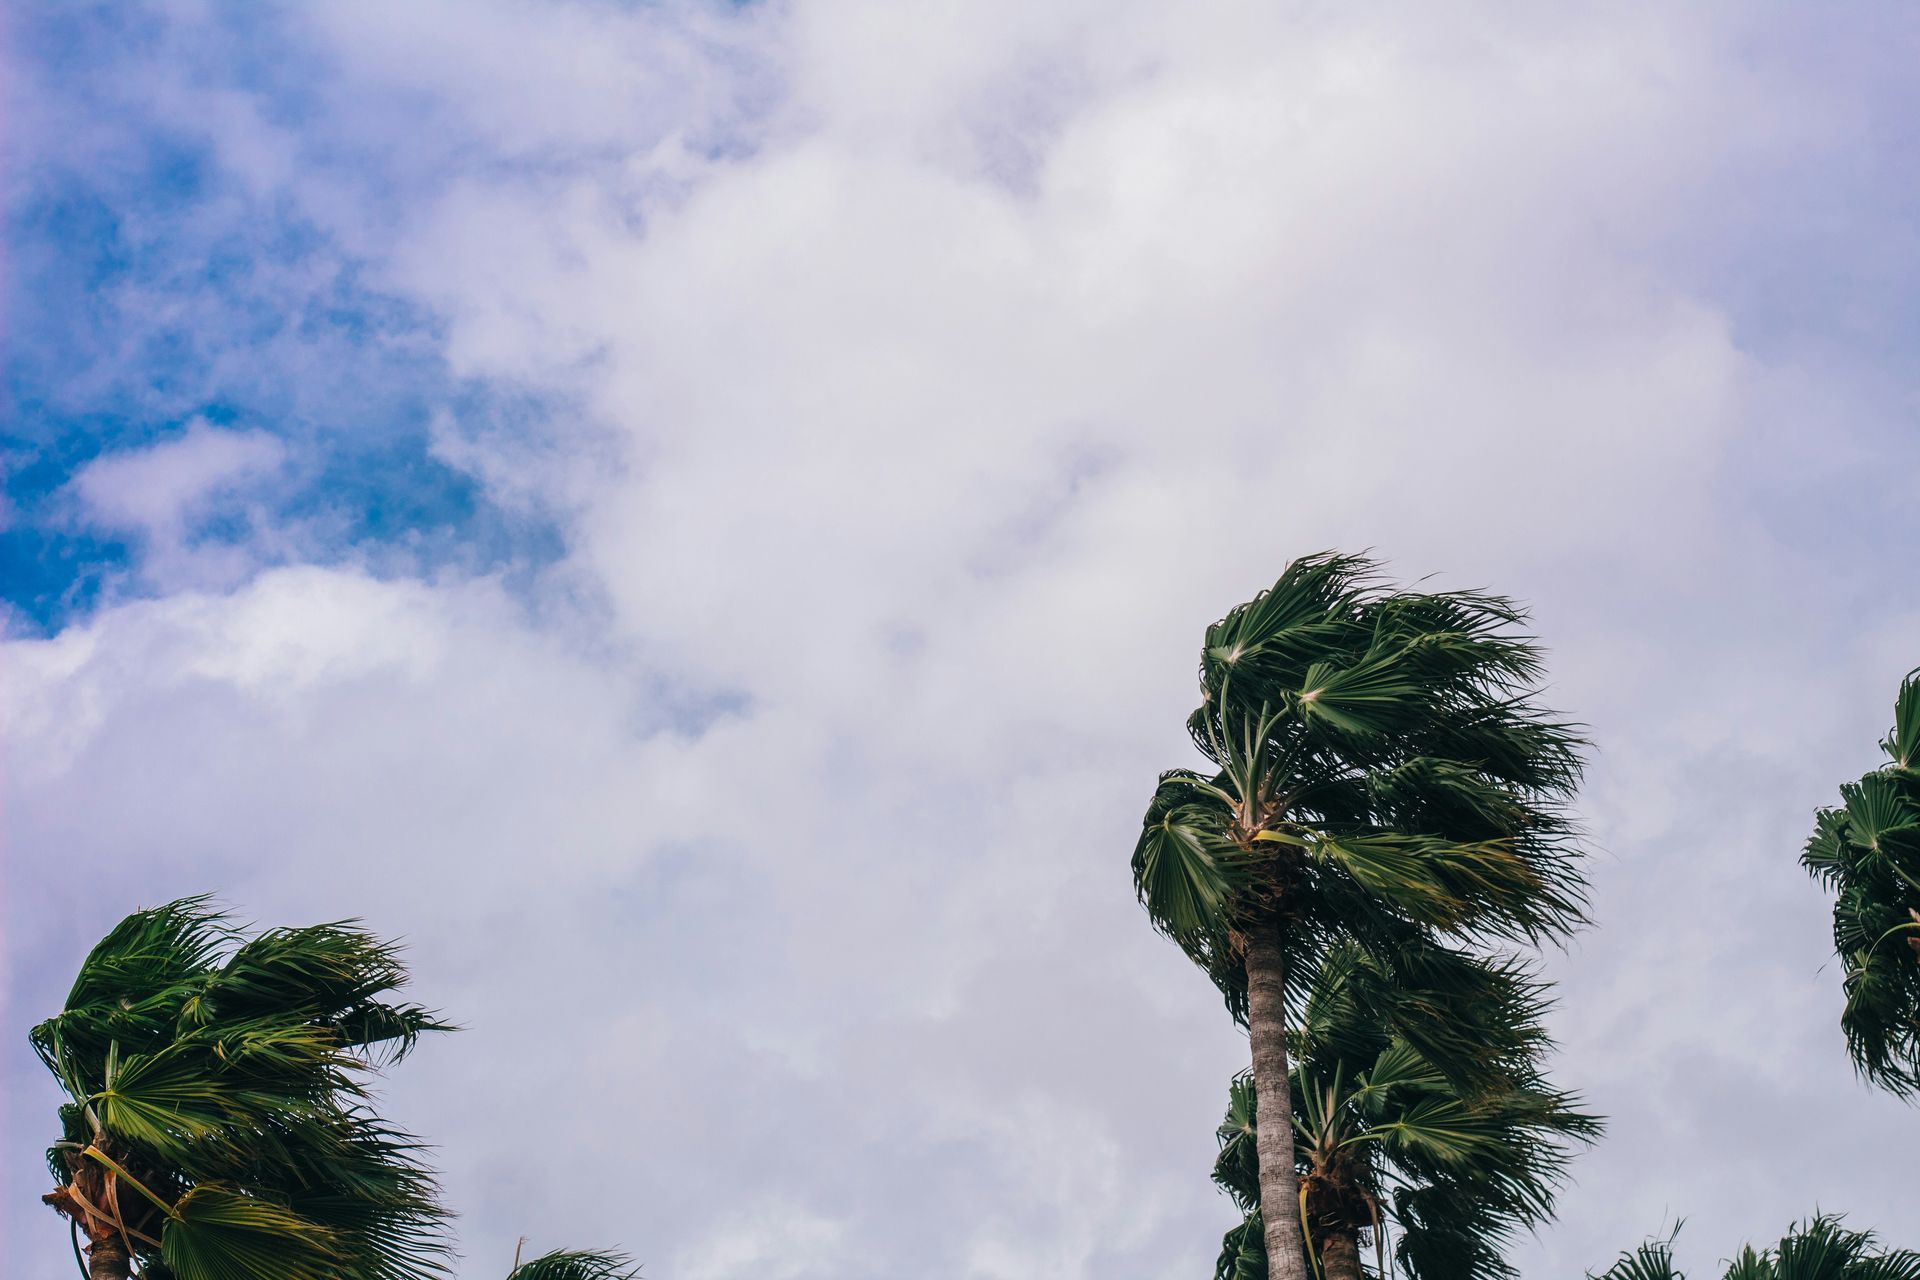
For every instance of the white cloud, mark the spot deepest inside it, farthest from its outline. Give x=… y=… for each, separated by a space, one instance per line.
x=743 y=1018
x=774 y=850
x=161 y=493
x=156 y=490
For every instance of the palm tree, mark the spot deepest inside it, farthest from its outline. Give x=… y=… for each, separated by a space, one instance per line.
x=1868 y=851
x=575 y=1265
x=1383 y=1134
x=1820 y=1249
x=218 y=1125
x=1377 y=771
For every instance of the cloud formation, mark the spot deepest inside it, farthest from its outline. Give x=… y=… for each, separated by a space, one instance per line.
x=163 y=493
x=906 y=396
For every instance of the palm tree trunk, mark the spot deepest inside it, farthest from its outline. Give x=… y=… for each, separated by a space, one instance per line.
x=1273 y=1104
x=107 y=1259
x=1340 y=1257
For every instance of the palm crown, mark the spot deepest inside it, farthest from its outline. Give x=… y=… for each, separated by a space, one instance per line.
x=1379 y=776
x=1384 y=1132
x=218 y=1125
x=1821 y=1249
x=1376 y=763
x=1868 y=851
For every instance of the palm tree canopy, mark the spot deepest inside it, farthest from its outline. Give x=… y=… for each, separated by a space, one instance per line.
x=1820 y=1249
x=1383 y=1133
x=1867 y=850
x=218 y=1122
x=1377 y=768
x=576 y=1265
x=1653 y=1260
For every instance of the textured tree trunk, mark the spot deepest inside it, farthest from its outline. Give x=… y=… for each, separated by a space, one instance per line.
x=1273 y=1099
x=1340 y=1257
x=107 y=1259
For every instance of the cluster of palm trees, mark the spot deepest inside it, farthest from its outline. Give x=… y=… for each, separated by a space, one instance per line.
x=1821 y=1249
x=1377 y=839
x=1376 y=843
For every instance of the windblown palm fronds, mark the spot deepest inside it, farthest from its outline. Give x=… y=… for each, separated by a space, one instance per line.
x=576 y=1265
x=1653 y=1260
x=1376 y=762
x=1867 y=850
x=1386 y=1143
x=218 y=1125
x=1820 y=1249
x=1377 y=772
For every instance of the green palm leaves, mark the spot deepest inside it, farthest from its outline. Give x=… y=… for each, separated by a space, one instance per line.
x=1651 y=1261
x=218 y=1126
x=576 y=1265
x=1821 y=1249
x=1455 y=1156
x=1375 y=764
x=1378 y=779
x=1867 y=851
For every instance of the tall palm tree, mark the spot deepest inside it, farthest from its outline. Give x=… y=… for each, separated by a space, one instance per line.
x=1377 y=771
x=218 y=1125
x=1383 y=1134
x=1820 y=1249
x=1867 y=851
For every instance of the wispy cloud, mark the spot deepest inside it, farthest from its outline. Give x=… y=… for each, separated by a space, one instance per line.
x=165 y=494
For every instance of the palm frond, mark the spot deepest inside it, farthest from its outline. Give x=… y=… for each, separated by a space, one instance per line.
x=1243 y=1250
x=221 y=1233
x=1903 y=744
x=1470 y=1160
x=576 y=1265
x=152 y=950
x=1236 y=1170
x=165 y=1102
x=225 y=1077
x=1651 y=1261
x=1375 y=695
x=1821 y=1248
x=1186 y=869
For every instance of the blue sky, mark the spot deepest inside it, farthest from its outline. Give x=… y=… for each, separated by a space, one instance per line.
x=151 y=287
x=698 y=517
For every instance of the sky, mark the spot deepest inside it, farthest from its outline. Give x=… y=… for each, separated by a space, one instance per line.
x=700 y=519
